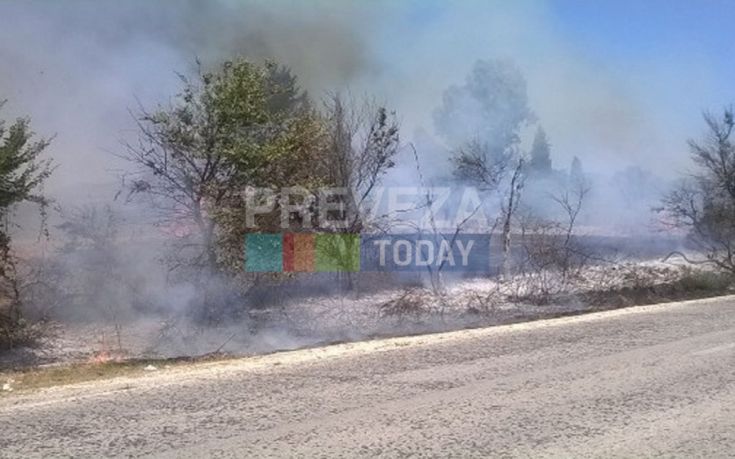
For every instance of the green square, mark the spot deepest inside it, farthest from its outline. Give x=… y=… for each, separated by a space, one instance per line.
x=337 y=252
x=263 y=253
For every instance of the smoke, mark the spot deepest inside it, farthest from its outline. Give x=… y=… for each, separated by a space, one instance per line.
x=78 y=68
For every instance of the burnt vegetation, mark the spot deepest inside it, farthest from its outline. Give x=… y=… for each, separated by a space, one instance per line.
x=244 y=134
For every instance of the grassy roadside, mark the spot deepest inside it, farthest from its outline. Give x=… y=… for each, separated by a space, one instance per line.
x=695 y=285
x=38 y=378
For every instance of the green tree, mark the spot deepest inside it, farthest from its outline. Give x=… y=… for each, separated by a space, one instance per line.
x=22 y=172
x=242 y=125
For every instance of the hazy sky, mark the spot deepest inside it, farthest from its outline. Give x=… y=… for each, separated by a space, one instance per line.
x=614 y=82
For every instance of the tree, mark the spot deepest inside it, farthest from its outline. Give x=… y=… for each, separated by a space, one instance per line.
x=495 y=171
x=540 y=154
x=364 y=139
x=22 y=172
x=481 y=164
x=481 y=120
x=491 y=106
x=704 y=203
x=243 y=125
x=576 y=173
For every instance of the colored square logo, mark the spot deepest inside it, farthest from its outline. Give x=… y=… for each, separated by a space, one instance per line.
x=263 y=253
x=337 y=252
x=298 y=252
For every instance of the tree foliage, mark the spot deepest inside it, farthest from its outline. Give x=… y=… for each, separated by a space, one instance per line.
x=246 y=127
x=491 y=106
x=22 y=172
x=243 y=125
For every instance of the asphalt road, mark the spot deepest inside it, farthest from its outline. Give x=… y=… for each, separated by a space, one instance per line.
x=642 y=382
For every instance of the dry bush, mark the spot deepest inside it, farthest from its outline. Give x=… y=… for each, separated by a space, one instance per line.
x=553 y=258
x=656 y=285
x=551 y=263
x=706 y=281
x=412 y=303
x=484 y=303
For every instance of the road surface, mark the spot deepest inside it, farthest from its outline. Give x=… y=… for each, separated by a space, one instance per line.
x=654 y=381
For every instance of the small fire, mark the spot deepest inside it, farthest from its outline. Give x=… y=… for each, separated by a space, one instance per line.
x=105 y=356
x=100 y=357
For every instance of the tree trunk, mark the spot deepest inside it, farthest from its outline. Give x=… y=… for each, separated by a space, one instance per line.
x=516 y=182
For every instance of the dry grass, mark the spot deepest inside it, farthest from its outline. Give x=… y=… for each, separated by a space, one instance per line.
x=411 y=303
x=39 y=378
